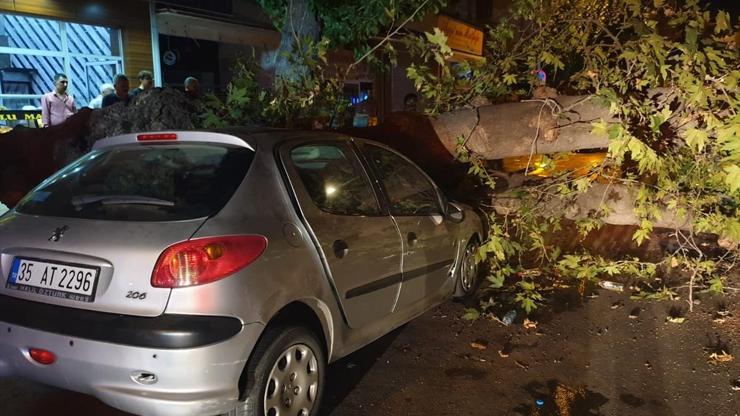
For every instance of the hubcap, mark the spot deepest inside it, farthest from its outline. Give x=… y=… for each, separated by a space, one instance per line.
x=293 y=383
x=469 y=269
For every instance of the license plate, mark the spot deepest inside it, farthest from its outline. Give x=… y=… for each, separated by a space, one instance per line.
x=61 y=280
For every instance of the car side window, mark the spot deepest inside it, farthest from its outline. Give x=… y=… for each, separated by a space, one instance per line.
x=334 y=179
x=408 y=189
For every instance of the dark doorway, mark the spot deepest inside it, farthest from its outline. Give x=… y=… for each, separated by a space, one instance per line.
x=186 y=57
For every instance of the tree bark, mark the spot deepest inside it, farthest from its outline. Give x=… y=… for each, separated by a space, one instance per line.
x=620 y=199
x=300 y=23
x=517 y=129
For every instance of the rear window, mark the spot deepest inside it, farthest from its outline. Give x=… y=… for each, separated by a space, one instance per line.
x=157 y=182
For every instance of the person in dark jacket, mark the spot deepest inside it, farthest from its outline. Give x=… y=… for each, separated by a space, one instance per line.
x=120 y=84
x=146 y=83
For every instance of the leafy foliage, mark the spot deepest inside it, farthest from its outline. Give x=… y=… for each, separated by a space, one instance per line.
x=443 y=87
x=313 y=93
x=244 y=102
x=354 y=23
x=668 y=71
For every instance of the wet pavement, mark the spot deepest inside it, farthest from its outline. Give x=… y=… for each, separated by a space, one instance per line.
x=608 y=355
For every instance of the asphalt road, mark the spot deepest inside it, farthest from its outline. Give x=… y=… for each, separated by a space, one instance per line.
x=584 y=357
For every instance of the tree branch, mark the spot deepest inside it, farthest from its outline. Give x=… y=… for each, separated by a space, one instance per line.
x=387 y=37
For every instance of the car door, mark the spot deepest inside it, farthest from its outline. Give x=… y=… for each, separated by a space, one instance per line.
x=359 y=242
x=415 y=204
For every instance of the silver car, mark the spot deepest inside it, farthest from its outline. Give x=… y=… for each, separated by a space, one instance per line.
x=205 y=273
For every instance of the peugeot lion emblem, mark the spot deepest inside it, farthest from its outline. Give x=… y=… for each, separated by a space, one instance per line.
x=58 y=233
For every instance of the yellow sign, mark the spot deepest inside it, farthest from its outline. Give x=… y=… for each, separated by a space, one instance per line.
x=461 y=36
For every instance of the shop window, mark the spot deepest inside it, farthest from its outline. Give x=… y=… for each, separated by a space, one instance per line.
x=33 y=50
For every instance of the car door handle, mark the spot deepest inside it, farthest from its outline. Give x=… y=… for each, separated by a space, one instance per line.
x=411 y=238
x=340 y=248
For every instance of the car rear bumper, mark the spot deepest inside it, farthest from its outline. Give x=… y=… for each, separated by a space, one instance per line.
x=164 y=331
x=189 y=381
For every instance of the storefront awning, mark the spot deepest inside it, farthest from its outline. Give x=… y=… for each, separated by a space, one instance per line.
x=183 y=25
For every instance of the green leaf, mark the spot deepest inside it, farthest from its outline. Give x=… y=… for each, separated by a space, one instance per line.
x=600 y=128
x=528 y=305
x=553 y=60
x=611 y=270
x=527 y=286
x=471 y=314
x=496 y=281
x=696 y=139
x=733 y=177
x=691 y=35
x=643 y=233
x=722 y=22
x=582 y=184
x=438 y=38
x=716 y=285
x=509 y=79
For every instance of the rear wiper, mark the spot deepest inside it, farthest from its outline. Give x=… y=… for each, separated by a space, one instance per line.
x=80 y=201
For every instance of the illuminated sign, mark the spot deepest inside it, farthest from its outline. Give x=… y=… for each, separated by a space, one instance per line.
x=20 y=115
x=461 y=36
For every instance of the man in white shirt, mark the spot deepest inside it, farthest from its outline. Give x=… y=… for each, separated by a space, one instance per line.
x=105 y=89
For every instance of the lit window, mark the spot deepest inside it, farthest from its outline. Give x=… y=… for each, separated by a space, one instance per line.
x=33 y=50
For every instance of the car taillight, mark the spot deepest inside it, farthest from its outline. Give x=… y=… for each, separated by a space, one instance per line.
x=156 y=136
x=205 y=260
x=42 y=356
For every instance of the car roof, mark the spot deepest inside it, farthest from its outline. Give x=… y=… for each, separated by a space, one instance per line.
x=269 y=137
x=252 y=137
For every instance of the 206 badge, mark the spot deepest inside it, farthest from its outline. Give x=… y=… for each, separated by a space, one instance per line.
x=58 y=233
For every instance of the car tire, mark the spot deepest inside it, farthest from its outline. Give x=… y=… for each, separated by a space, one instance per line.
x=285 y=374
x=468 y=275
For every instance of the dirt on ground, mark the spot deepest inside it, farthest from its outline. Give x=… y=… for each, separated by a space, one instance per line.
x=600 y=355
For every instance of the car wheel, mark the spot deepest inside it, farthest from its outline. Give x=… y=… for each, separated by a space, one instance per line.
x=285 y=375
x=469 y=273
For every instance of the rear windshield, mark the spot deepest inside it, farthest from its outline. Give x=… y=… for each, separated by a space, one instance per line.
x=155 y=182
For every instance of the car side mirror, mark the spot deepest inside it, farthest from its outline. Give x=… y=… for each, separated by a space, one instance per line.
x=455 y=213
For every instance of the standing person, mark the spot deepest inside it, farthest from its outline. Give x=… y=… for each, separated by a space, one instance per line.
x=192 y=87
x=105 y=89
x=120 y=84
x=57 y=106
x=410 y=102
x=145 y=83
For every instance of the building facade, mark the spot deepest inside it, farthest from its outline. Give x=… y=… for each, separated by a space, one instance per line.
x=90 y=41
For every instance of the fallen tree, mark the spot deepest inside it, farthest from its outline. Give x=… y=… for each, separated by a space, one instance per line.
x=672 y=159
x=664 y=103
x=551 y=125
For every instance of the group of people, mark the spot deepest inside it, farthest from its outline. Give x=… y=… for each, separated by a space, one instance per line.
x=58 y=105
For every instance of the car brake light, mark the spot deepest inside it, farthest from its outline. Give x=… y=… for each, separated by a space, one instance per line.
x=42 y=356
x=156 y=136
x=205 y=260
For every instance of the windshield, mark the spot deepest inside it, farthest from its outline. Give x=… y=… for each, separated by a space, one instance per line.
x=153 y=182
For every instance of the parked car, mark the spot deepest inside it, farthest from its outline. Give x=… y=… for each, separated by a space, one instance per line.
x=205 y=273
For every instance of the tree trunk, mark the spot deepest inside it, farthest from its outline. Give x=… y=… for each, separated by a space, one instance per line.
x=620 y=199
x=509 y=130
x=300 y=23
x=518 y=129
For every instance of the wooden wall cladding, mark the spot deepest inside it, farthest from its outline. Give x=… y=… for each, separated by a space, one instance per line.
x=131 y=16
